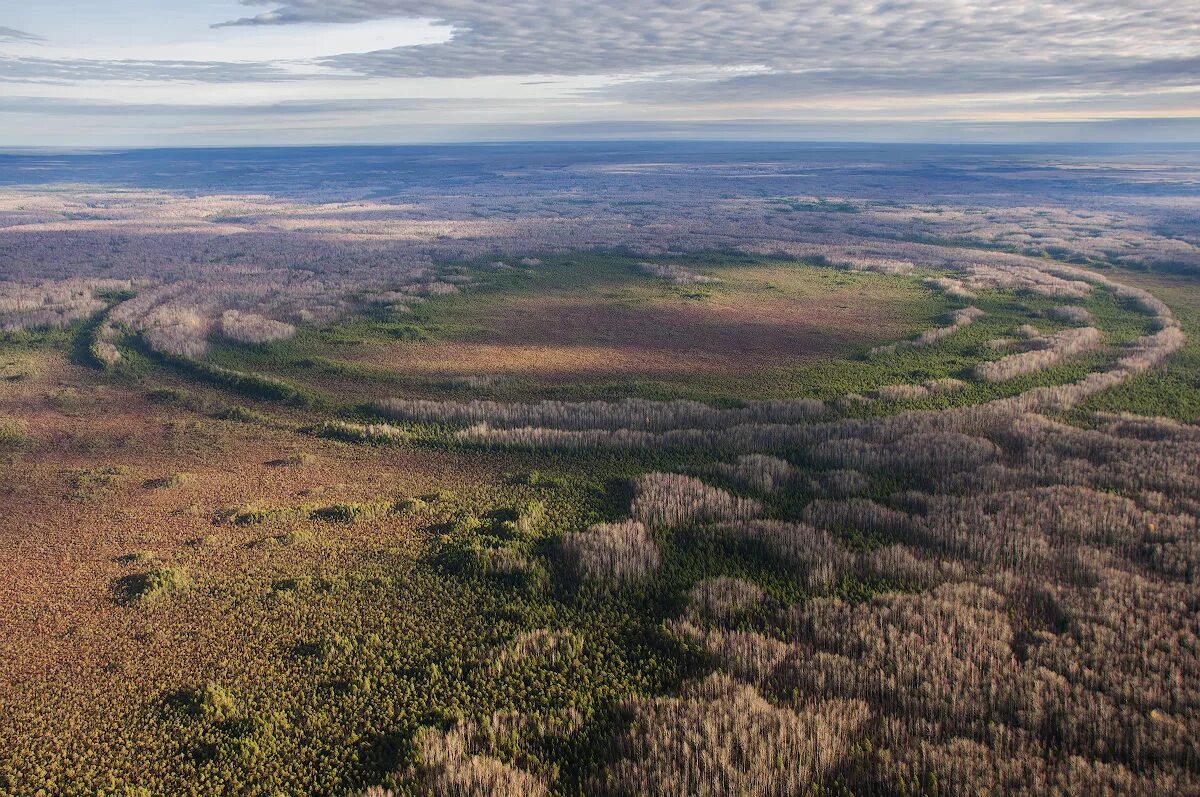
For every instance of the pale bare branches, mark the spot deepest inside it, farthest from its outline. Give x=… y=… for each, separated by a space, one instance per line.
x=958 y=319
x=667 y=500
x=52 y=305
x=182 y=332
x=633 y=414
x=675 y=274
x=448 y=765
x=612 y=552
x=1048 y=350
x=253 y=328
x=759 y=472
x=1073 y=314
x=722 y=738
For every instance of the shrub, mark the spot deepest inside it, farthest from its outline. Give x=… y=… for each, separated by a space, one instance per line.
x=172 y=480
x=169 y=395
x=352 y=512
x=214 y=703
x=362 y=433
x=250 y=515
x=298 y=458
x=154 y=585
x=12 y=434
x=89 y=483
x=243 y=414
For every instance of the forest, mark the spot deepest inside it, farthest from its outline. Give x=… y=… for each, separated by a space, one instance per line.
x=600 y=470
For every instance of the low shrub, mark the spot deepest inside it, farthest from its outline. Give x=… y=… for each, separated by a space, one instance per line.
x=154 y=585
x=214 y=703
x=361 y=433
x=171 y=480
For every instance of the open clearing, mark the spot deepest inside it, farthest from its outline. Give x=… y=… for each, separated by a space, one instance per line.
x=756 y=321
x=573 y=337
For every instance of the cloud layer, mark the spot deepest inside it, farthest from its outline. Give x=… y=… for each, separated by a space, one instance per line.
x=691 y=61
x=626 y=36
x=13 y=35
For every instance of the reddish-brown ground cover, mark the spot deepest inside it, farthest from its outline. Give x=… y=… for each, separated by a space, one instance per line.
x=579 y=336
x=83 y=507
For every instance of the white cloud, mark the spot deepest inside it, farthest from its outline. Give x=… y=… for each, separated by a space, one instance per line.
x=577 y=61
x=300 y=42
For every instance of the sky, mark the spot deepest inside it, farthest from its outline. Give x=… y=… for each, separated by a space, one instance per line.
x=127 y=73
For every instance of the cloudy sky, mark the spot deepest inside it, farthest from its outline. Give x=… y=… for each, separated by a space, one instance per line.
x=160 y=72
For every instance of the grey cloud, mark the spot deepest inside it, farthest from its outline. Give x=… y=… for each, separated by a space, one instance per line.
x=44 y=70
x=987 y=77
x=1099 y=130
x=283 y=109
x=571 y=37
x=726 y=51
x=14 y=35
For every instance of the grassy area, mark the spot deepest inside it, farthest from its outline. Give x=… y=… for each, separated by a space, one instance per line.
x=1173 y=390
x=427 y=344
x=734 y=347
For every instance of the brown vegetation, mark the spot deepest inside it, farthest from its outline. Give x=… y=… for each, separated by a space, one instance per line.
x=591 y=335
